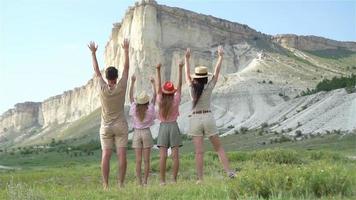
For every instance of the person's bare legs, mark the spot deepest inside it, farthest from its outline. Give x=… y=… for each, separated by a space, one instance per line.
x=146 y=160
x=105 y=166
x=162 y=163
x=175 y=158
x=215 y=141
x=138 y=152
x=121 y=157
x=199 y=156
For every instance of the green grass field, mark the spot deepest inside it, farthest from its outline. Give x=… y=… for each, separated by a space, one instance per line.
x=321 y=167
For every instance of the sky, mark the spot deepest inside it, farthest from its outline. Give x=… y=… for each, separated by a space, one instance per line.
x=43 y=42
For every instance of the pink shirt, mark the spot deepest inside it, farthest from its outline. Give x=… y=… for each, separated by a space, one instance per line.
x=175 y=108
x=149 y=117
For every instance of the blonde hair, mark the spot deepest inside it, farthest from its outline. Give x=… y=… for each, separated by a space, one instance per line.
x=141 y=111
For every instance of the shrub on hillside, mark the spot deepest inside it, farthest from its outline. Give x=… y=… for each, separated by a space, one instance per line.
x=348 y=83
x=238 y=156
x=298 y=133
x=324 y=155
x=305 y=182
x=260 y=132
x=284 y=138
x=243 y=129
x=264 y=125
x=278 y=156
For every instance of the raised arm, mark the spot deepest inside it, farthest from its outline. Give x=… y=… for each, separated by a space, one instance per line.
x=158 y=78
x=180 y=71
x=188 y=79
x=132 y=86
x=218 y=64
x=93 y=47
x=154 y=91
x=125 y=72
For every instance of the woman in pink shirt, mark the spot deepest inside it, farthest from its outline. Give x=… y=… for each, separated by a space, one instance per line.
x=143 y=115
x=168 y=99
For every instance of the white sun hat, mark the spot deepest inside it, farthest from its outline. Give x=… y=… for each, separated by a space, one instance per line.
x=201 y=72
x=142 y=98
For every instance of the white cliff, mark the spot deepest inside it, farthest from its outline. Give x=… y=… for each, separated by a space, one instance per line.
x=257 y=69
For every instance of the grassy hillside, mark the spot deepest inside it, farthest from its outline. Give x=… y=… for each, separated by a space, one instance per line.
x=340 y=60
x=273 y=174
x=320 y=167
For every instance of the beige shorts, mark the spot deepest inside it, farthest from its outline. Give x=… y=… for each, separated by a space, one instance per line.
x=202 y=125
x=142 y=138
x=116 y=133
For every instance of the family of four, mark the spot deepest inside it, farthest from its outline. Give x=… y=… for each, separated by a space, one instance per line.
x=114 y=128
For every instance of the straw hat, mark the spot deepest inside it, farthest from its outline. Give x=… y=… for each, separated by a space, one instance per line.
x=142 y=98
x=168 y=88
x=201 y=72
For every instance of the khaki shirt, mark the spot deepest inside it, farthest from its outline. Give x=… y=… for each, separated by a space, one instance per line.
x=204 y=101
x=112 y=102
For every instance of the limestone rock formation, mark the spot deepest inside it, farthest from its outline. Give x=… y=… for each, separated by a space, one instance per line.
x=257 y=69
x=312 y=43
x=23 y=116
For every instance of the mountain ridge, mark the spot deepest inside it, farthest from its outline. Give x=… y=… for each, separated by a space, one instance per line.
x=251 y=58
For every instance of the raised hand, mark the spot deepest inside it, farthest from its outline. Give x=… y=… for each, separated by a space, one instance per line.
x=158 y=78
x=133 y=78
x=93 y=46
x=125 y=73
x=187 y=66
x=180 y=69
x=152 y=80
x=220 y=51
x=181 y=64
x=131 y=92
x=218 y=63
x=187 y=53
x=125 y=45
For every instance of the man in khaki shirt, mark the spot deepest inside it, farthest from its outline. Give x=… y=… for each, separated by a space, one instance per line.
x=113 y=129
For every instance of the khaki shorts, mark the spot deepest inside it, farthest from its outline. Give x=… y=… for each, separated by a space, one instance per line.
x=169 y=135
x=202 y=125
x=142 y=138
x=116 y=133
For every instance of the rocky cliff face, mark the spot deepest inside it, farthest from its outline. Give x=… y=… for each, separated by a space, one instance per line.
x=71 y=105
x=312 y=43
x=24 y=115
x=60 y=109
x=161 y=34
x=257 y=69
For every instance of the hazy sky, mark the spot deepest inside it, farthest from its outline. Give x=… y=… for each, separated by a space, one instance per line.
x=43 y=42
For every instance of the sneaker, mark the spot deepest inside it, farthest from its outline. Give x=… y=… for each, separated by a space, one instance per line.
x=232 y=175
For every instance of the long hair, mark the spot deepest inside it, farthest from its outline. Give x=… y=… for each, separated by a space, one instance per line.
x=141 y=111
x=165 y=106
x=198 y=87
